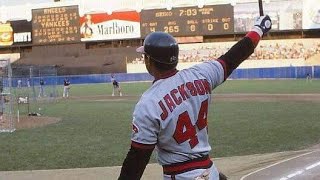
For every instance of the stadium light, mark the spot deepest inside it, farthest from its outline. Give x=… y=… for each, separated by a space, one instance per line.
x=169 y=4
x=109 y=11
x=29 y=18
x=200 y=3
x=138 y=9
x=233 y=3
x=267 y=1
x=169 y=7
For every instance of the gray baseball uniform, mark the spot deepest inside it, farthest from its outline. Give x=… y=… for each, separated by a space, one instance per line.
x=165 y=115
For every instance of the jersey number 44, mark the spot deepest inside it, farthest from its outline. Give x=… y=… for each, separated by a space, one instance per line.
x=185 y=130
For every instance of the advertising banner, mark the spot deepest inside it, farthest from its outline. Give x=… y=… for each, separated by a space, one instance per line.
x=55 y=25
x=15 y=33
x=118 y=25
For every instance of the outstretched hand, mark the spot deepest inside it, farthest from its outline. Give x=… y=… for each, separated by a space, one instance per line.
x=263 y=23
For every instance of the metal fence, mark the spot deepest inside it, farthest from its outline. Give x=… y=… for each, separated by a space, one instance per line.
x=37 y=84
x=7 y=119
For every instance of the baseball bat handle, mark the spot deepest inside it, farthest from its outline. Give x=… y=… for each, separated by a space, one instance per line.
x=260 y=8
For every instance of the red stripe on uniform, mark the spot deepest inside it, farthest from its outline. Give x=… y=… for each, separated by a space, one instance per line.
x=254 y=36
x=224 y=65
x=142 y=146
x=199 y=163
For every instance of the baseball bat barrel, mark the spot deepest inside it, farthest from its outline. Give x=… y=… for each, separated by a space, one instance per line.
x=260 y=7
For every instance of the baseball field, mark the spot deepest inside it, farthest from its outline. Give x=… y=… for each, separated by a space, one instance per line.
x=92 y=129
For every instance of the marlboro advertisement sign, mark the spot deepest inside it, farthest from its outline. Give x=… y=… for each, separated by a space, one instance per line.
x=118 y=25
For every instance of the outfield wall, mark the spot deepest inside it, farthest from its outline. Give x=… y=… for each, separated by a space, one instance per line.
x=252 y=73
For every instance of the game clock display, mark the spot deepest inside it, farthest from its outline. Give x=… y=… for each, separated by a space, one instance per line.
x=189 y=21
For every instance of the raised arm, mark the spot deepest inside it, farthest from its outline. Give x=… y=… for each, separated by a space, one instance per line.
x=245 y=47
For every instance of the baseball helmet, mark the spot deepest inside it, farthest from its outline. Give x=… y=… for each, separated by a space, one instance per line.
x=160 y=47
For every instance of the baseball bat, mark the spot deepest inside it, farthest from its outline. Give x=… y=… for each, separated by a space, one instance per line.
x=260 y=7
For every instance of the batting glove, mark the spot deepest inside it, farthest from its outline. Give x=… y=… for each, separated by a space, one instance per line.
x=262 y=25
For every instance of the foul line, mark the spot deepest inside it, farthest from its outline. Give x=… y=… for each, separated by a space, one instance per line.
x=243 y=177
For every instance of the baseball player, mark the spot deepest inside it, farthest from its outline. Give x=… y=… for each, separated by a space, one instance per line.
x=28 y=83
x=171 y=115
x=66 y=88
x=116 y=85
x=41 y=88
x=19 y=83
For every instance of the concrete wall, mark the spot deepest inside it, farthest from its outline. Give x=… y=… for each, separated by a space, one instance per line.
x=77 y=59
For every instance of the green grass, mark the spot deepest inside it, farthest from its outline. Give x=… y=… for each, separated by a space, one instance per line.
x=270 y=86
x=230 y=86
x=259 y=127
x=94 y=134
x=134 y=89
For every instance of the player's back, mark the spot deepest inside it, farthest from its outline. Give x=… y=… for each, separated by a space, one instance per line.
x=179 y=104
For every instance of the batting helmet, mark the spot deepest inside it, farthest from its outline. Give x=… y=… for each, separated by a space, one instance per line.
x=160 y=47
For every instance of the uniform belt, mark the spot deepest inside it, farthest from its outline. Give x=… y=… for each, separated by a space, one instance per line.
x=178 y=168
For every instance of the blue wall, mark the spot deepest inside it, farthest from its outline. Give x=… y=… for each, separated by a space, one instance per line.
x=276 y=73
x=258 y=73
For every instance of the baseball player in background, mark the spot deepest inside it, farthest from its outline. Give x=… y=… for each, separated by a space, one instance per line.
x=41 y=88
x=171 y=115
x=28 y=83
x=19 y=83
x=66 y=88
x=116 y=85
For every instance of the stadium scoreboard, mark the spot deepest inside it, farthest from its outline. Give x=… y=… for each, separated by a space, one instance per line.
x=55 y=25
x=189 y=21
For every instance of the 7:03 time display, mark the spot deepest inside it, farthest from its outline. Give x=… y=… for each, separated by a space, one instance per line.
x=188 y=12
x=189 y=21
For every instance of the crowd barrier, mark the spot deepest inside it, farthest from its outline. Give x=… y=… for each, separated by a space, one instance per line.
x=256 y=73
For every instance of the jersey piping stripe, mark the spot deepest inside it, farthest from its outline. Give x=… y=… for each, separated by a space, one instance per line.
x=178 y=168
x=142 y=146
